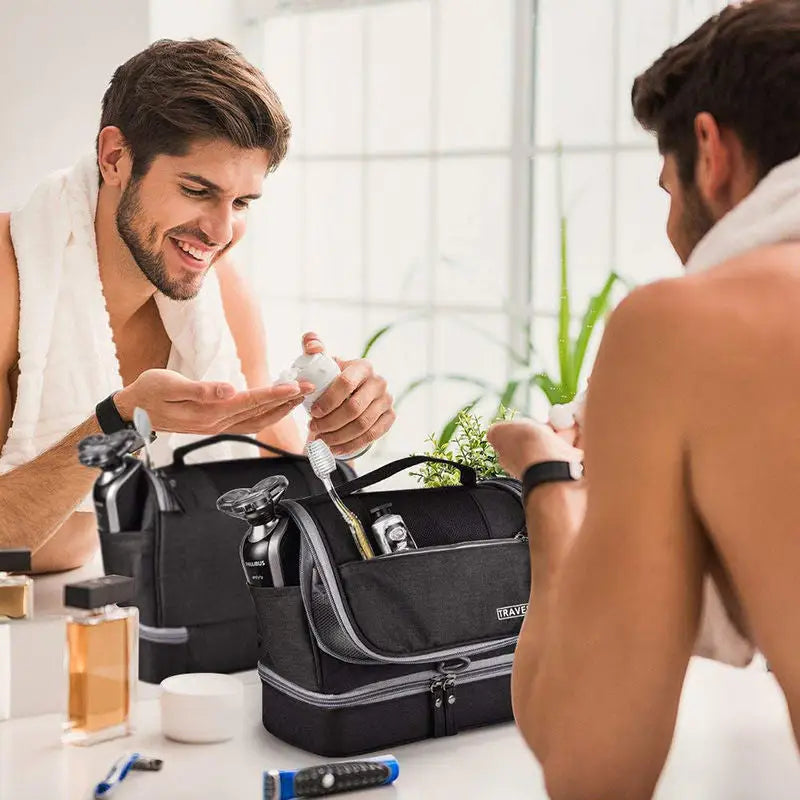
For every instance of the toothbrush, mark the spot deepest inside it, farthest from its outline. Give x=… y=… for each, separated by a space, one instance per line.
x=323 y=463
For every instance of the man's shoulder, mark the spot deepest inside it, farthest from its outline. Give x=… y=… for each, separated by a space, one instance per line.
x=243 y=315
x=659 y=315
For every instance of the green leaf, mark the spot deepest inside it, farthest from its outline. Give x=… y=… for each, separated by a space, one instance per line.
x=452 y=424
x=374 y=338
x=552 y=390
x=507 y=397
x=564 y=344
x=386 y=328
x=596 y=308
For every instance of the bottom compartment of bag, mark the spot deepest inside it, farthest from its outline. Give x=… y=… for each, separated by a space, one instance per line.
x=389 y=713
x=230 y=646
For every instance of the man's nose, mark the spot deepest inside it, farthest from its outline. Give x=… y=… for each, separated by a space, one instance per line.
x=218 y=225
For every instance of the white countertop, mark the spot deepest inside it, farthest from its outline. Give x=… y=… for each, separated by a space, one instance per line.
x=733 y=742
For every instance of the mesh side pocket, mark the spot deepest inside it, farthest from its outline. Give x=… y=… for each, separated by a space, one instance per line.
x=285 y=642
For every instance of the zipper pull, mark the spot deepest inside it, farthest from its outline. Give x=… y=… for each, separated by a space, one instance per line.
x=438 y=701
x=449 y=698
x=522 y=536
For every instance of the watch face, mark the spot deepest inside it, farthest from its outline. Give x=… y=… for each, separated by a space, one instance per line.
x=576 y=470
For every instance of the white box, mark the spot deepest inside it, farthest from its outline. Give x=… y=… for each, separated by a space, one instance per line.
x=33 y=676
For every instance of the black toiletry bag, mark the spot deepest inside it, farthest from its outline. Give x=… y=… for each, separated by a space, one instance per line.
x=358 y=655
x=194 y=608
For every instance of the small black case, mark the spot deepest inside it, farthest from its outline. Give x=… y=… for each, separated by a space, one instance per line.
x=361 y=655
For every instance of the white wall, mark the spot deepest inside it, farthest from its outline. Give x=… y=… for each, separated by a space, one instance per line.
x=56 y=59
x=197 y=19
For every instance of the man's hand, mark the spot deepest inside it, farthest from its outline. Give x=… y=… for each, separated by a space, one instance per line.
x=355 y=410
x=520 y=443
x=178 y=405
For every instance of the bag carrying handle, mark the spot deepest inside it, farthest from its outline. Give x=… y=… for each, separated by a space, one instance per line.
x=468 y=475
x=181 y=452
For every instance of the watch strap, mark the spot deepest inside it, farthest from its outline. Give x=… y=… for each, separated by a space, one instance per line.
x=110 y=421
x=108 y=416
x=549 y=472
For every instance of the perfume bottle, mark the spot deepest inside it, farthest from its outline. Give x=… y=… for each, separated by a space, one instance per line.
x=103 y=658
x=16 y=591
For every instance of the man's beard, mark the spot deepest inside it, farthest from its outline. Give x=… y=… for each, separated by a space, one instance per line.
x=697 y=219
x=149 y=260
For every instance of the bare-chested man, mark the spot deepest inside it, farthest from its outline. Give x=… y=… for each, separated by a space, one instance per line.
x=188 y=132
x=691 y=438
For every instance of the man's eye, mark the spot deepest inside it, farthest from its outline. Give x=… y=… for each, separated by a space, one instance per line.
x=193 y=192
x=241 y=204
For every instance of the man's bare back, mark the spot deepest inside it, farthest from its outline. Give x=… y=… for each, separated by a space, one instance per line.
x=745 y=488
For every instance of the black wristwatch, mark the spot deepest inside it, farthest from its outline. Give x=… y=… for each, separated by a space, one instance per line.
x=109 y=419
x=548 y=472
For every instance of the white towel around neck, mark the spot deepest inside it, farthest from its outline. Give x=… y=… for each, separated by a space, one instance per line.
x=769 y=215
x=67 y=356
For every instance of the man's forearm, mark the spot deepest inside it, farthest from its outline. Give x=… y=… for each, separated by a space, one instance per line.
x=552 y=527
x=283 y=434
x=36 y=498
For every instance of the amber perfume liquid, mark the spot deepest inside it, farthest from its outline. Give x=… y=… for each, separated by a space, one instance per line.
x=103 y=671
x=16 y=596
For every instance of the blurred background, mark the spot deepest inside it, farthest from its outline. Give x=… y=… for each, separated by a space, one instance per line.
x=437 y=147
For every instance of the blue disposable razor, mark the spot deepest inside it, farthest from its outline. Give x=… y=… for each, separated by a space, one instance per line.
x=326 y=779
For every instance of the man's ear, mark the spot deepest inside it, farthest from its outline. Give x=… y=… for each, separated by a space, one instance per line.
x=113 y=157
x=713 y=166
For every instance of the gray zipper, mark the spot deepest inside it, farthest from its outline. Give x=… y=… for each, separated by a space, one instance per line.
x=389 y=689
x=319 y=555
x=163 y=635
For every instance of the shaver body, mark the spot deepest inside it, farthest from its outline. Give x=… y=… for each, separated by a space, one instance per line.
x=116 y=497
x=328 y=779
x=260 y=552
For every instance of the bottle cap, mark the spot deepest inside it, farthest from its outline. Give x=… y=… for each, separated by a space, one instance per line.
x=99 y=592
x=380 y=511
x=18 y=560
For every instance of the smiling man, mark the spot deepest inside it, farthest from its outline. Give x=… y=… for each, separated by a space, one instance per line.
x=690 y=440
x=118 y=289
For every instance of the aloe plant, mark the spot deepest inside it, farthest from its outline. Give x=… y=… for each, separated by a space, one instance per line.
x=560 y=388
x=572 y=351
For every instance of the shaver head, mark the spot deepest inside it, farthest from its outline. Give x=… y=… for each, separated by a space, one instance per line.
x=108 y=450
x=258 y=504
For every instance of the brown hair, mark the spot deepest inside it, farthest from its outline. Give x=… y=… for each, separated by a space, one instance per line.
x=177 y=92
x=743 y=67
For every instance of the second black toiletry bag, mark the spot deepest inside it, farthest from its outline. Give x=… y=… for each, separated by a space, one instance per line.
x=194 y=608
x=359 y=655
